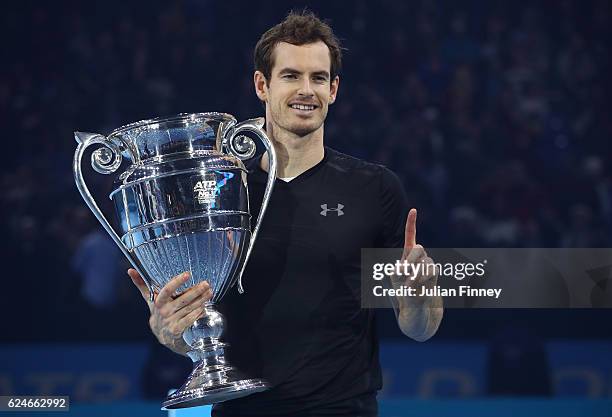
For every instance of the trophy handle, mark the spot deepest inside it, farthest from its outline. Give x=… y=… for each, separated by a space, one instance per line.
x=244 y=148
x=104 y=160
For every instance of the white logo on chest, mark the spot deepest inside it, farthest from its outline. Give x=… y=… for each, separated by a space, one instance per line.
x=337 y=210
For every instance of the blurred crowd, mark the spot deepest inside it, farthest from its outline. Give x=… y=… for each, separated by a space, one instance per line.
x=493 y=113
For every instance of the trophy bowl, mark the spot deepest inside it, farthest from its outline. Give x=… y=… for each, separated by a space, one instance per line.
x=182 y=205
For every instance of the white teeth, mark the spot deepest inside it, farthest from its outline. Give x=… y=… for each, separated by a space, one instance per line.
x=302 y=107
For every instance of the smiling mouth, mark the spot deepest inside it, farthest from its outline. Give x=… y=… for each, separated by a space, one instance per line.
x=303 y=107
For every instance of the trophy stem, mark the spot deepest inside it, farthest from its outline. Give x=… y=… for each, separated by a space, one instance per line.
x=212 y=379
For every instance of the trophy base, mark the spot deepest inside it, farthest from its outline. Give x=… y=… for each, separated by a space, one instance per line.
x=210 y=395
x=212 y=381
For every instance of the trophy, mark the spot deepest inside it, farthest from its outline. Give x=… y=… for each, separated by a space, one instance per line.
x=183 y=205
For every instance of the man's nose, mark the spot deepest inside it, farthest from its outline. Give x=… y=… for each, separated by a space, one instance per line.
x=306 y=88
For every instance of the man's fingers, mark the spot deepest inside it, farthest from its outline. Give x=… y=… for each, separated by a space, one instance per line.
x=188 y=296
x=139 y=283
x=410 y=237
x=188 y=320
x=165 y=295
x=195 y=304
x=415 y=254
x=428 y=271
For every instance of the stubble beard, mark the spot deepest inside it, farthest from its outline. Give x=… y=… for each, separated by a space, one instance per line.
x=298 y=129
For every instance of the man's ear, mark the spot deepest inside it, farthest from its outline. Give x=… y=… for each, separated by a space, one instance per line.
x=261 y=85
x=333 y=89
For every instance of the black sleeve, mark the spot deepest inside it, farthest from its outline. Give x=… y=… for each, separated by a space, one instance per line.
x=394 y=210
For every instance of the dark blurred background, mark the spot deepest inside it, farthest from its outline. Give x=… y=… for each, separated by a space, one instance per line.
x=495 y=114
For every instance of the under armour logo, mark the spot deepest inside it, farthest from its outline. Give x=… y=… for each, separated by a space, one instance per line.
x=338 y=209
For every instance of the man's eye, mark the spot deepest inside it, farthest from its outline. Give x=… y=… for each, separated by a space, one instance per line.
x=320 y=79
x=289 y=76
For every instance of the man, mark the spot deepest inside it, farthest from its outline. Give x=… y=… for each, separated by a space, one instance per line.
x=300 y=325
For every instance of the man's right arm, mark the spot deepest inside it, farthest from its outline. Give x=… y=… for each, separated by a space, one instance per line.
x=171 y=316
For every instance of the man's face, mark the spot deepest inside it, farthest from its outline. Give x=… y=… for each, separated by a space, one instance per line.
x=300 y=90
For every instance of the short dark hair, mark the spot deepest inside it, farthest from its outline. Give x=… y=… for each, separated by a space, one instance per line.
x=298 y=28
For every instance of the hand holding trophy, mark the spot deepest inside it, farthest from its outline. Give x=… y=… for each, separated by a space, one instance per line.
x=183 y=206
x=171 y=315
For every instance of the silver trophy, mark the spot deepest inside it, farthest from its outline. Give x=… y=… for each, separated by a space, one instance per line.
x=183 y=205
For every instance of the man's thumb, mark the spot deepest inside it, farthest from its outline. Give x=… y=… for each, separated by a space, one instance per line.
x=139 y=283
